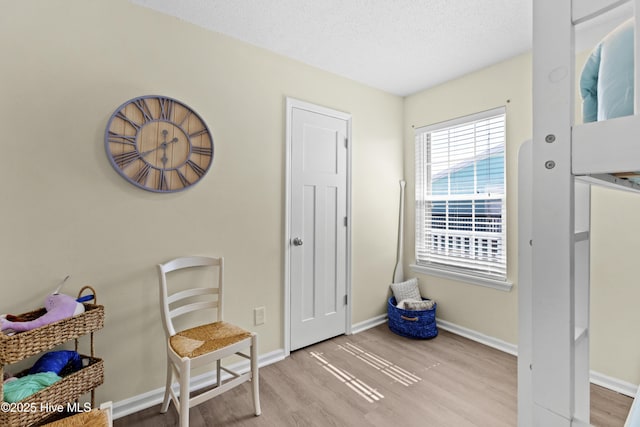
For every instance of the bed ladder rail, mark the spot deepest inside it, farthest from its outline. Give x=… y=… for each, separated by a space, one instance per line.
x=582 y=262
x=525 y=297
x=579 y=401
x=559 y=252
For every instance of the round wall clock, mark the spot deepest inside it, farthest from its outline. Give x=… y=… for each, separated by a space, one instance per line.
x=158 y=144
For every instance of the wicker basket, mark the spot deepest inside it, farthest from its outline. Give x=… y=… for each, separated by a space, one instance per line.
x=17 y=347
x=24 y=344
x=49 y=401
x=412 y=323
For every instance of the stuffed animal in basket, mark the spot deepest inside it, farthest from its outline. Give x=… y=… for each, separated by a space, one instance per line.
x=58 y=306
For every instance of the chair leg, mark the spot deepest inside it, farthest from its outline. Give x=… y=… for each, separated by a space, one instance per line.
x=218 y=373
x=185 y=374
x=255 y=376
x=167 y=394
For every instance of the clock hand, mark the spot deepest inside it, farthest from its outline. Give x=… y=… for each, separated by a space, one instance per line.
x=149 y=151
x=163 y=146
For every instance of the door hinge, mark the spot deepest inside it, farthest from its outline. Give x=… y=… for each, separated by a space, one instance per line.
x=346 y=300
x=345 y=221
x=346 y=142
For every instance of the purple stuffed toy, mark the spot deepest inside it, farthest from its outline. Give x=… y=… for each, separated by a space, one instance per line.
x=58 y=306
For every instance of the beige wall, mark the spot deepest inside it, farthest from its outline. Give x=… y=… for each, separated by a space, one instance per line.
x=489 y=311
x=67 y=65
x=615 y=291
x=615 y=351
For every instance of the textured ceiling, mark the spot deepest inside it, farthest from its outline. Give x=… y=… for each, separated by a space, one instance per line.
x=399 y=46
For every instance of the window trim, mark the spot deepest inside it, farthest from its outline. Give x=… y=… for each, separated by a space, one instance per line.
x=444 y=273
x=450 y=272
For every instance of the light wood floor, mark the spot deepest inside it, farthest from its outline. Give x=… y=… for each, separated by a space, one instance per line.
x=457 y=383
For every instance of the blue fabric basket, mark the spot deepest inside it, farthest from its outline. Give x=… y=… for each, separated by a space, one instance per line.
x=412 y=323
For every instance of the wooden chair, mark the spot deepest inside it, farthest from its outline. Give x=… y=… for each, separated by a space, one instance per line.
x=205 y=343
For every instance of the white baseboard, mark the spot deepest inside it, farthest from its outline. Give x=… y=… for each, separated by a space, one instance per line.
x=368 y=324
x=478 y=337
x=614 y=384
x=154 y=397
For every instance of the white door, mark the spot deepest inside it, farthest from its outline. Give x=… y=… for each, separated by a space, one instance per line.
x=318 y=224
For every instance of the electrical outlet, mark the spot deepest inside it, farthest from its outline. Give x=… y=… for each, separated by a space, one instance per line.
x=259 y=315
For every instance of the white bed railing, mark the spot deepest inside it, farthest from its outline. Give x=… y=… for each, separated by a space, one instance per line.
x=586 y=10
x=554 y=222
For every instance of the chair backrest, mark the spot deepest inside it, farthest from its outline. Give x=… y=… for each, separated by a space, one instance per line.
x=185 y=301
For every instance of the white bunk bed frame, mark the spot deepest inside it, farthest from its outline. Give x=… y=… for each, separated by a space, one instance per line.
x=556 y=171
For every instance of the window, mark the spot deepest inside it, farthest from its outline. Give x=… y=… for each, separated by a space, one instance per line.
x=460 y=196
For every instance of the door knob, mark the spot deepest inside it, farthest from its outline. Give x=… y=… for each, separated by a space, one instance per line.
x=297 y=241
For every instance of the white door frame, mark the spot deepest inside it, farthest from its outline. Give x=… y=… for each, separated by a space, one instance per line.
x=292 y=103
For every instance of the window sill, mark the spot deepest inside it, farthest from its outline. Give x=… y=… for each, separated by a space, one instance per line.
x=473 y=280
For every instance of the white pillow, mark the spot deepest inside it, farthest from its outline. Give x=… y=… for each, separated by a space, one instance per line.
x=406 y=290
x=419 y=305
x=403 y=303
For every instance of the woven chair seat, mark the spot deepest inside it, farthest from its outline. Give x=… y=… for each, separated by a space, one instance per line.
x=95 y=418
x=204 y=339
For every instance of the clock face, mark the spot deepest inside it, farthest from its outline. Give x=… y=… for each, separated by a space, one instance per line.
x=158 y=144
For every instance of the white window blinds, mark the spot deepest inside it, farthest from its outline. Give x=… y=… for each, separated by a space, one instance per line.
x=460 y=195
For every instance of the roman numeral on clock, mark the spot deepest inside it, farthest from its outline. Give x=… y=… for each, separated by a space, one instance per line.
x=144 y=109
x=125 y=159
x=141 y=176
x=205 y=151
x=122 y=116
x=183 y=179
x=163 y=185
x=166 y=108
x=196 y=168
x=122 y=139
x=198 y=133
